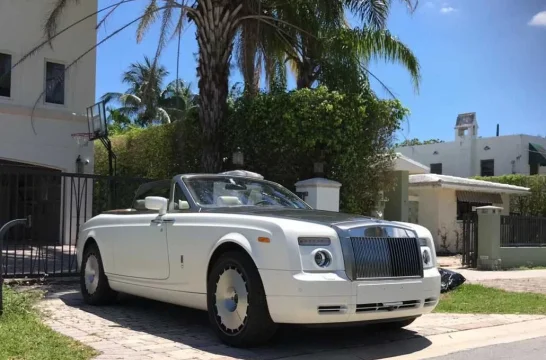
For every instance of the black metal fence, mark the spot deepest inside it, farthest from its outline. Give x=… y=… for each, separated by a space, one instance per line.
x=470 y=240
x=59 y=204
x=520 y=231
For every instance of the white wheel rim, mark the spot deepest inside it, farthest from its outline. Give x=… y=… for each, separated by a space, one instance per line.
x=231 y=301
x=92 y=274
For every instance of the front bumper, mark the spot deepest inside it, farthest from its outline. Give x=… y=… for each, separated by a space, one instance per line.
x=322 y=298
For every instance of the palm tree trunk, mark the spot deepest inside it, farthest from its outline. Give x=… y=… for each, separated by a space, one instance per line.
x=305 y=77
x=216 y=22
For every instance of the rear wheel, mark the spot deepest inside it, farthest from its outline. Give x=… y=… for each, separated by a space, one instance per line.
x=93 y=282
x=236 y=302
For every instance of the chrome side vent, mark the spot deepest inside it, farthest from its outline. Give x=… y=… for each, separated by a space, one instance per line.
x=392 y=306
x=430 y=302
x=331 y=309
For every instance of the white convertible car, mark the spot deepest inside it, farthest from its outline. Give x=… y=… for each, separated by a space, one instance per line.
x=254 y=255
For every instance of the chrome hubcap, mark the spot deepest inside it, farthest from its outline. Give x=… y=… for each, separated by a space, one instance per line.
x=91 y=274
x=231 y=300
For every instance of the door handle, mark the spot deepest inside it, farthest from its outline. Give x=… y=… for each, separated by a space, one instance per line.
x=162 y=221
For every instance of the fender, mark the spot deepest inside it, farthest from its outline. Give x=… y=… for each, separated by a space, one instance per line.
x=242 y=241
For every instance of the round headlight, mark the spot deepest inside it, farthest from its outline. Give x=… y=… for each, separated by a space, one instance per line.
x=427 y=258
x=322 y=258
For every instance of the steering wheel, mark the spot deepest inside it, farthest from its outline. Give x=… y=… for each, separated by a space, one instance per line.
x=262 y=202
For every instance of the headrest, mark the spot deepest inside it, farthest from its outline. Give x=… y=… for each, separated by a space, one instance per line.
x=228 y=201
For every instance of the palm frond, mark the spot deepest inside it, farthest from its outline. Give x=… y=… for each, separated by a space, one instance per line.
x=50 y=27
x=149 y=16
x=381 y=44
x=163 y=116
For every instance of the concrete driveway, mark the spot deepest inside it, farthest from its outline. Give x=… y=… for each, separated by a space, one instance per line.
x=142 y=329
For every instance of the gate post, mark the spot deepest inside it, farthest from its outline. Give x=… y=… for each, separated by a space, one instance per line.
x=489 y=231
x=321 y=194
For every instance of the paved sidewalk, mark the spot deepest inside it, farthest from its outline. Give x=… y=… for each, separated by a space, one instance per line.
x=141 y=329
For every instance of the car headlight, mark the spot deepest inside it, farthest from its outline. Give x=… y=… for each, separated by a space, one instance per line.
x=426 y=254
x=323 y=258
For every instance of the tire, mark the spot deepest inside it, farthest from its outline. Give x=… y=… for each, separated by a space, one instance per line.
x=396 y=325
x=234 y=287
x=95 y=290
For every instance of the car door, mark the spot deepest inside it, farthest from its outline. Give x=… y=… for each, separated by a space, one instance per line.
x=141 y=240
x=187 y=243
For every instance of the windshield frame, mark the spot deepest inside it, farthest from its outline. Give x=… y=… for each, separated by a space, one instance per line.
x=184 y=179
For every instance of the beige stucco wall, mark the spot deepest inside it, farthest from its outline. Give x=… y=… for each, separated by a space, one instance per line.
x=438 y=213
x=522 y=256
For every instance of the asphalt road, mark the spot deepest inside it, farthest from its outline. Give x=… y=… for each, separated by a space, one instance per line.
x=533 y=349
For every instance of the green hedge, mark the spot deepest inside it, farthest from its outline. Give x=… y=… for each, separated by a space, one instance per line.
x=157 y=152
x=535 y=203
x=281 y=136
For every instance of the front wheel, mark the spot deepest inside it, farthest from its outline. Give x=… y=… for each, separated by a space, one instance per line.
x=94 y=284
x=236 y=301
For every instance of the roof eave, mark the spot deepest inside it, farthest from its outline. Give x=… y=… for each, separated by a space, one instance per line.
x=445 y=185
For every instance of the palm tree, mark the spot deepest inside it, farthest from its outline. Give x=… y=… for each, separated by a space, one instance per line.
x=217 y=23
x=146 y=101
x=141 y=100
x=321 y=34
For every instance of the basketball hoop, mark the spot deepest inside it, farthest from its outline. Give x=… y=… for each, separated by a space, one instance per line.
x=82 y=139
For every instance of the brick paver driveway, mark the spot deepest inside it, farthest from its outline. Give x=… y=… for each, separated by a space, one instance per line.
x=142 y=329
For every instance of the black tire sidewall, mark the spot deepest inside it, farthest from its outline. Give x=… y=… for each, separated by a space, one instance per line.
x=103 y=293
x=258 y=327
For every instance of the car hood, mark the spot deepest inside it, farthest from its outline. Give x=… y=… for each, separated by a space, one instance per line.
x=315 y=216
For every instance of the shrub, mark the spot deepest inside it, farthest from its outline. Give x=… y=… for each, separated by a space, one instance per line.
x=281 y=135
x=533 y=204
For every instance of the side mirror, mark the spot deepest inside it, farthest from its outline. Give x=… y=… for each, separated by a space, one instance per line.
x=156 y=203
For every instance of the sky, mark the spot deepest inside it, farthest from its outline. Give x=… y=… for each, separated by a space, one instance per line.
x=483 y=56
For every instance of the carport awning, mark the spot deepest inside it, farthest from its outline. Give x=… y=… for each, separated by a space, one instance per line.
x=479 y=197
x=537 y=154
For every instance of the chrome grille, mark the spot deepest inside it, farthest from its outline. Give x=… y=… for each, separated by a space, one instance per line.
x=387 y=257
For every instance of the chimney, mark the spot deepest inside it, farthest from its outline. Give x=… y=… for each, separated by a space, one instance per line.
x=497 y=129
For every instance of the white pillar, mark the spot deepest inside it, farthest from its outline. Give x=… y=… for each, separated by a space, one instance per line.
x=322 y=194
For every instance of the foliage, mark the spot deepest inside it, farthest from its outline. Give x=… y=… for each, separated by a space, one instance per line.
x=477 y=299
x=533 y=204
x=283 y=134
x=146 y=101
x=217 y=25
x=157 y=152
x=23 y=336
x=415 y=142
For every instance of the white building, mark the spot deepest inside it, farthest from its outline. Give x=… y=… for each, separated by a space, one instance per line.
x=470 y=155
x=41 y=139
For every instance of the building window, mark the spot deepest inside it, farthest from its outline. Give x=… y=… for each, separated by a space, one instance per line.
x=488 y=167
x=5 y=75
x=436 y=168
x=54 y=83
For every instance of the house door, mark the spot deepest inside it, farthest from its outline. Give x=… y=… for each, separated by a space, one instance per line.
x=31 y=190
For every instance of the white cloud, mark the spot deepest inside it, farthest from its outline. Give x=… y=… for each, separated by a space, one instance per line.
x=538 y=20
x=447 y=9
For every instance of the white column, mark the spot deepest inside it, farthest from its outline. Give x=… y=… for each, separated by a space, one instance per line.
x=322 y=194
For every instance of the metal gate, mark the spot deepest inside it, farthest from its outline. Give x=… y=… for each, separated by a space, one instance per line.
x=470 y=240
x=59 y=204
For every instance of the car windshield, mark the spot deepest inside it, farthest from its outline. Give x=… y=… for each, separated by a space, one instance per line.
x=223 y=191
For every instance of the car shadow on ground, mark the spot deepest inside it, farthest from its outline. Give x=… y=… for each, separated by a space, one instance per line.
x=191 y=328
